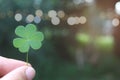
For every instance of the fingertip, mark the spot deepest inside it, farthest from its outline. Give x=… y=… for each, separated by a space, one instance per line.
x=21 y=73
x=30 y=73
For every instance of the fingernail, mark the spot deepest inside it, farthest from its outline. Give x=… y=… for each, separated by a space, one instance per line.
x=30 y=73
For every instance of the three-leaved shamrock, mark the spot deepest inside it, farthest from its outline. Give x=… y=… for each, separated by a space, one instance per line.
x=28 y=37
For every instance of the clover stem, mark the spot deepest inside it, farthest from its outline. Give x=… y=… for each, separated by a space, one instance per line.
x=27 y=58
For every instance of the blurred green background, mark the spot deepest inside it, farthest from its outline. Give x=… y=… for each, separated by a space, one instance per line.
x=81 y=37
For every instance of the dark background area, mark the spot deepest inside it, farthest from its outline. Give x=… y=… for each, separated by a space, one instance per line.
x=61 y=56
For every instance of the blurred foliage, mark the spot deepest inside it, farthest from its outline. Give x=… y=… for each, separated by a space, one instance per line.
x=56 y=59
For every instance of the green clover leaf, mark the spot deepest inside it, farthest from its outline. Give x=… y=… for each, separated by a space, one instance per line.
x=28 y=37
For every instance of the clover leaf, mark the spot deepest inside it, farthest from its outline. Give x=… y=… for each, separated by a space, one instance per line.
x=28 y=37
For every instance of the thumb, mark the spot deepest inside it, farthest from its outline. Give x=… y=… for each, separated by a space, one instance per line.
x=21 y=73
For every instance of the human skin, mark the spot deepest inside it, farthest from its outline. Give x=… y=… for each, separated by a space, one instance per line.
x=11 y=69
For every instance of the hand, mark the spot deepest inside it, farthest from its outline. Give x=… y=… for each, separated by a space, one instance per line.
x=11 y=69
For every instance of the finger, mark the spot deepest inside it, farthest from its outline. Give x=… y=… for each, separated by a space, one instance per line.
x=21 y=73
x=7 y=65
